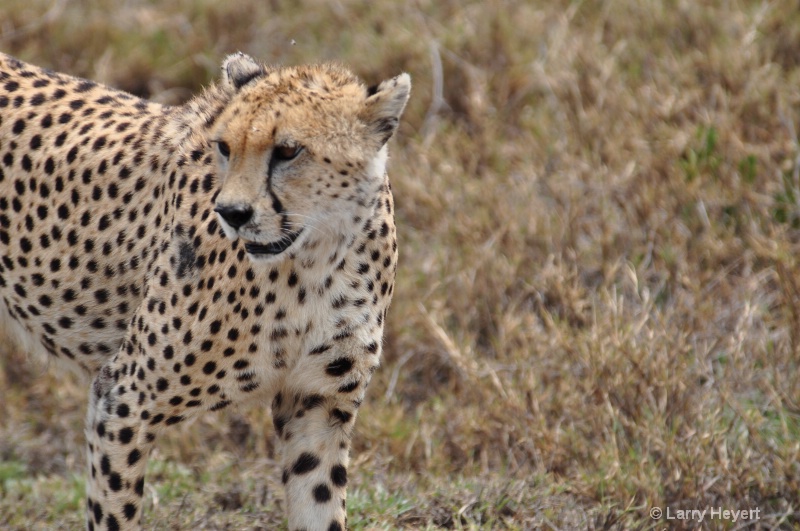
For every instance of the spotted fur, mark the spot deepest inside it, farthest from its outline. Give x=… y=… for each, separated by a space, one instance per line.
x=114 y=213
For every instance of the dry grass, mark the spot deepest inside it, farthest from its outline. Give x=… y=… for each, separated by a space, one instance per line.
x=598 y=304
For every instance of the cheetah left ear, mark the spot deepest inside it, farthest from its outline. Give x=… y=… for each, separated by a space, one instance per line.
x=384 y=105
x=239 y=69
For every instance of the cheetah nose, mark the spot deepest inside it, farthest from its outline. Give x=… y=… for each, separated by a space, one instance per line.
x=235 y=216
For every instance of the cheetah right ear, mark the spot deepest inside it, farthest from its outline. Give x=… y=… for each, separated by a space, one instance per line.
x=239 y=69
x=384 y=105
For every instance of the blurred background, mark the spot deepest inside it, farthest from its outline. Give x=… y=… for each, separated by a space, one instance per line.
x=598 y=300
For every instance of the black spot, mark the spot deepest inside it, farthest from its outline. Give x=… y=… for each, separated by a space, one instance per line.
x=115 y=482
x=348 y=388
x=208 y=183
x=19 y=126
x=335 y=526
x=252 y=386
x=305 y=463
x=339 y=475
x=174 y=420
x=104 y=222
x=280 y=422
x=339 y=366
x=322 y=493
x=98 y=513
x=134 y=457
x=125 y=435
x=85 y=86
x=130 y=511
x=319 y=349
x=25 y=245
x=219 y=405
x=312 y=401
x=49 y=168
x=112 y=523
x=105 y=465
x=342 y=416
x=278 y=333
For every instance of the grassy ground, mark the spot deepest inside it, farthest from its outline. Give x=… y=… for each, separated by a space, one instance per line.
x=598 y=303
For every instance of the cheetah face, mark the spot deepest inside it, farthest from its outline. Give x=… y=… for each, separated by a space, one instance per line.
x=302 y=155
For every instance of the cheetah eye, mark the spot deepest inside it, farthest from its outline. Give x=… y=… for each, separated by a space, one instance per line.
x=283 y=152
x=223 y=148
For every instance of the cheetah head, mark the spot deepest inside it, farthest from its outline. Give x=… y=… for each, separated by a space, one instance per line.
x=301 y=153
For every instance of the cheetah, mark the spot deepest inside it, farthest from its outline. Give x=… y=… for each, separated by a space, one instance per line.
x=237 y=249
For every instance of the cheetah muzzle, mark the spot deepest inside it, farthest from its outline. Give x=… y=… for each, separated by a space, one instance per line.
x=238 y=249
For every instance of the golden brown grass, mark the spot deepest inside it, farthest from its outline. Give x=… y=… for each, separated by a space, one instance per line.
x=598 y=302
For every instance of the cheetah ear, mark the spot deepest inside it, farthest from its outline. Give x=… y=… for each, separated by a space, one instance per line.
x=239 y=69
x=384 y=105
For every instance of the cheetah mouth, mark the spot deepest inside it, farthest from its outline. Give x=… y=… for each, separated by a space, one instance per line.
x=272 y=248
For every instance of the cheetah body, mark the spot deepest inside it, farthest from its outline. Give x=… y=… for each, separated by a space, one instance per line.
x=114 y=213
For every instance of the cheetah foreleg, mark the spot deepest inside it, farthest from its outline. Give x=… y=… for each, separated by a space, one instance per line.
x=117 y=450
x=315 y=434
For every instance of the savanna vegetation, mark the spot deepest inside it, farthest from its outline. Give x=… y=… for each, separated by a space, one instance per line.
x=598 y=301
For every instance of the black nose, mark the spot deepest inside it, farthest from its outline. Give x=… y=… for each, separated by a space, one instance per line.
x=235 y=216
